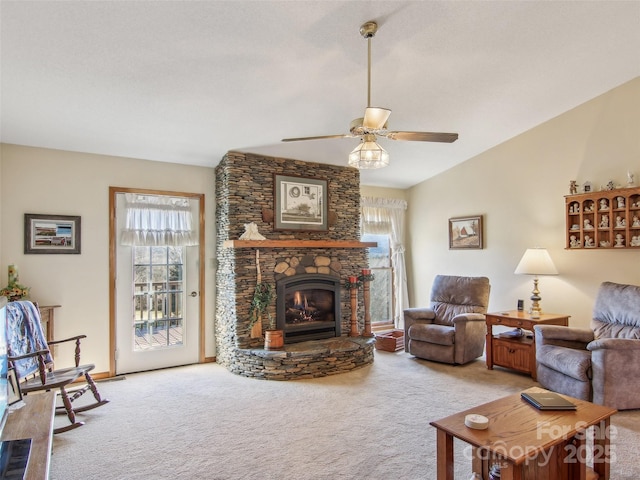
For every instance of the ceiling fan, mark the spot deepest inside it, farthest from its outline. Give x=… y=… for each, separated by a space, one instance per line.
x=374 y=124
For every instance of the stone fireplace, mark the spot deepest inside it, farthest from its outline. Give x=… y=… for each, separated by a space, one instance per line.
x=244 y=194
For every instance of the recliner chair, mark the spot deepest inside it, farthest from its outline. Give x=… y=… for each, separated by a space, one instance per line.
x=453 y=328
x=601 y=365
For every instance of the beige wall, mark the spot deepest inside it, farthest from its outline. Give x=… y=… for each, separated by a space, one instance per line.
x=35 y=180
x=381 y=192
x=519 y=187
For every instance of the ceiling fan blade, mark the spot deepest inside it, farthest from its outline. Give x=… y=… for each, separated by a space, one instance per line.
x=375 y=118
x=423 y=136
x=316 y=138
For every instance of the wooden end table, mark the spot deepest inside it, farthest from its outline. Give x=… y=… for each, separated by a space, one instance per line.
x=517 y=353
x=46 y=318
x=529 y=443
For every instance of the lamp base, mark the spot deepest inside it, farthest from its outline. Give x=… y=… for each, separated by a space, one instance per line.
x=536 y=311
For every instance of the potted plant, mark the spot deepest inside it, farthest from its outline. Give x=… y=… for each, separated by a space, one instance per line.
x=263 y=295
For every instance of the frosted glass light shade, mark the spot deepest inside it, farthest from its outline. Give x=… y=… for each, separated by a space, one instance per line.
x=368 y=155
x=375 y=117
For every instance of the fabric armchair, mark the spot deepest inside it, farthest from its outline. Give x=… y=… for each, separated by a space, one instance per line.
x=595 y=364
x=452 y=328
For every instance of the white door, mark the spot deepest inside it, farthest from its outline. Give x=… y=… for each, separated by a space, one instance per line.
x=157 y=304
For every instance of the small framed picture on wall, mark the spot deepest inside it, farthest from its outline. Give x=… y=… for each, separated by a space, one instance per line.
x=465 y=232
x=47 y=234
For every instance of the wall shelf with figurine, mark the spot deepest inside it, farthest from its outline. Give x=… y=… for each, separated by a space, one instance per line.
x=604 y=219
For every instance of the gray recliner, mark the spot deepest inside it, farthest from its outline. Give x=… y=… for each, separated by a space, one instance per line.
x=601 y=365
x=453 y=328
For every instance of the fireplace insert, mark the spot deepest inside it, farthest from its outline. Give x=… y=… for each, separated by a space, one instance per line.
x=308 y=307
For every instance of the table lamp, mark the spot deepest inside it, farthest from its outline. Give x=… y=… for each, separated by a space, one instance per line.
x=536 y=261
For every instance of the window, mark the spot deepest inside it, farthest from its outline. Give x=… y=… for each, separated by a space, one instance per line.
x=381 y=307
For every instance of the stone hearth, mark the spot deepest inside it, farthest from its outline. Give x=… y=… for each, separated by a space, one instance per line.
x=318 y=358
x=244 y=192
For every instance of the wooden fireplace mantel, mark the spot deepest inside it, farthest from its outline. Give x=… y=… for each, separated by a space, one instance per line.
x=297 y=244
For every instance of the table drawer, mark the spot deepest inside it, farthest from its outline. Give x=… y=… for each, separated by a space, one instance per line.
x=512 y=322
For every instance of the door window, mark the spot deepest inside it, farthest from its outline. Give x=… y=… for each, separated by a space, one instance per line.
x=158 y=298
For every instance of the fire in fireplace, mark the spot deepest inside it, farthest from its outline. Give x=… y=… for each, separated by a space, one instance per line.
x=308 y=307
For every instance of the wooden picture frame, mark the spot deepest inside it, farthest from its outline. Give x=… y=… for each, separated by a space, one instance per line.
x=300 y=203
x=466 y=232
x=51 y=234
x=15 y=394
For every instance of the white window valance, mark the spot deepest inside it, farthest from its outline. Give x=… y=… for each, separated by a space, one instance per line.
x=154 y=221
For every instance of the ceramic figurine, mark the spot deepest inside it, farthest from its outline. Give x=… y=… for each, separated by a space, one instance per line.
x=604 y=205
x=251 y=232
x=574 y=243
x=635 y=241
x=604 y=221
x=587 y=224
x=630 y=179
x=620 y=222
x=619 y=240
x=588 y=241
x=573 y=187
x=605 y=243
x=620 y=202
x=636 y=221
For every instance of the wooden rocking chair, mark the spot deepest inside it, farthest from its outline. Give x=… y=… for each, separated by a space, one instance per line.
x=29 y=353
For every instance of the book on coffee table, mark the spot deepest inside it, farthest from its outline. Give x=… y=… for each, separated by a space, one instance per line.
x=547 y=401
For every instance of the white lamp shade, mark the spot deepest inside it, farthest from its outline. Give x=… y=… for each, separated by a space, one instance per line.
x=368 y=154
x=536 y=261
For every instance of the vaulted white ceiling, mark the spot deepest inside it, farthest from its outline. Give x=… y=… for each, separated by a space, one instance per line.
x=187 y=81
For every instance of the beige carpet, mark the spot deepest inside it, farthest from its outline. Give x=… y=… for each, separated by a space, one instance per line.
x=202 y=422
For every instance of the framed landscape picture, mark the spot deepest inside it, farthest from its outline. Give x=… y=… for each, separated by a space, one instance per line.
x=51 y=233
x=300 y=203
x=465 y=232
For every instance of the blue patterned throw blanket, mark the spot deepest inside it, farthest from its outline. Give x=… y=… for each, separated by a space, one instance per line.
x=25 y=335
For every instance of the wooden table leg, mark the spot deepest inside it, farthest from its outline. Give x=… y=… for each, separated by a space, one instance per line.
x=577 y=457
x=489 y=346
x=445 y=455
x=532 y=358
x=601 y=450
x=477 y=465
x=509 y=471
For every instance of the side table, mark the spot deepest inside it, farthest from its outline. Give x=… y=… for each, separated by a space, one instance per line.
x=526 y=442
x=517 y=353
x=46 y=317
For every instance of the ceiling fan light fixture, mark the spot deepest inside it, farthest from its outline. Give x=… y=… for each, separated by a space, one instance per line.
x=375 y=117
x=368 y=155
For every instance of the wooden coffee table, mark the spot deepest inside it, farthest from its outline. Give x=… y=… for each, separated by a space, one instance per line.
x=529 y=443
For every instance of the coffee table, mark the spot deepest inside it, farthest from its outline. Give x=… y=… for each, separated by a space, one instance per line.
x=527 y=442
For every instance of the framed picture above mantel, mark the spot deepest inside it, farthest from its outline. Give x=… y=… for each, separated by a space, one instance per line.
x=300 y=203
x=51 y=233
x=465 y=232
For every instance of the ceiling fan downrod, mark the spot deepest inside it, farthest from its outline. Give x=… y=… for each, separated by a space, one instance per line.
x=368 y=31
